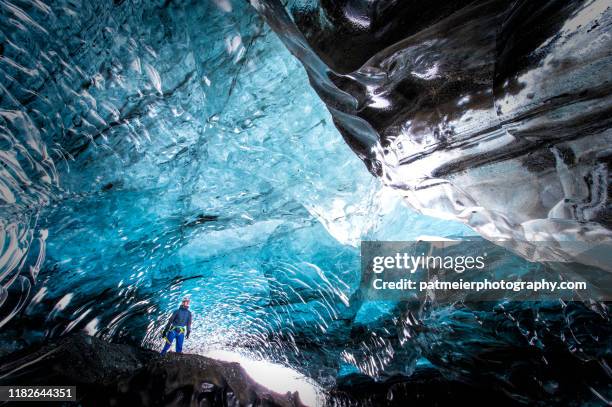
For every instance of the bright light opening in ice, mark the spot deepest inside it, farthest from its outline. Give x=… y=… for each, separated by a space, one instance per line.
x=275 y=377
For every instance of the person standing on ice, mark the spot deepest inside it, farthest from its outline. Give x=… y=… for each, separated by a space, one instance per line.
x=178 y=327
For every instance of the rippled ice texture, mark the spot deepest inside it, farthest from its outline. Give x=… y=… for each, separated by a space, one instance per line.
x=493 y=113
x=159 y=149
x=156 y=149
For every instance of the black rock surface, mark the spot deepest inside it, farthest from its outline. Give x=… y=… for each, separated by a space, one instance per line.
x=107 y=374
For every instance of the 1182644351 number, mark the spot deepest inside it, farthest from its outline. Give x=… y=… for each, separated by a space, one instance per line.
x=38 y=393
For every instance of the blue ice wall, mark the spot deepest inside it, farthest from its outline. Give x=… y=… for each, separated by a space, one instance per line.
x=188 y=155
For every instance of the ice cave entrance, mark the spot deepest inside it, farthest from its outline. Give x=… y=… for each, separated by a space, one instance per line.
x=273 y=376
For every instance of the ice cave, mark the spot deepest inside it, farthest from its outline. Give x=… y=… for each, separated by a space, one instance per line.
x=239 y=153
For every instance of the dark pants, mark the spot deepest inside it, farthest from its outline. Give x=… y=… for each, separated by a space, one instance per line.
x=170 y=336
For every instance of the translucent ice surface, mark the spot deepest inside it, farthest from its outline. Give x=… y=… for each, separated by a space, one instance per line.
x=491 y=113
x=153 y=150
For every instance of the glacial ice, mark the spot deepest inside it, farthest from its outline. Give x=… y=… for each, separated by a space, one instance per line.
x=149 y=154
x=492 y=113
x=156 y=149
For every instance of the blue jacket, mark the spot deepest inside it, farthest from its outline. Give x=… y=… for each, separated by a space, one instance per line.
x=180 y=317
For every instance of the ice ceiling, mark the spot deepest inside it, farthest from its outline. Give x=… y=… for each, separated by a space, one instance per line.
x=156 y=149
